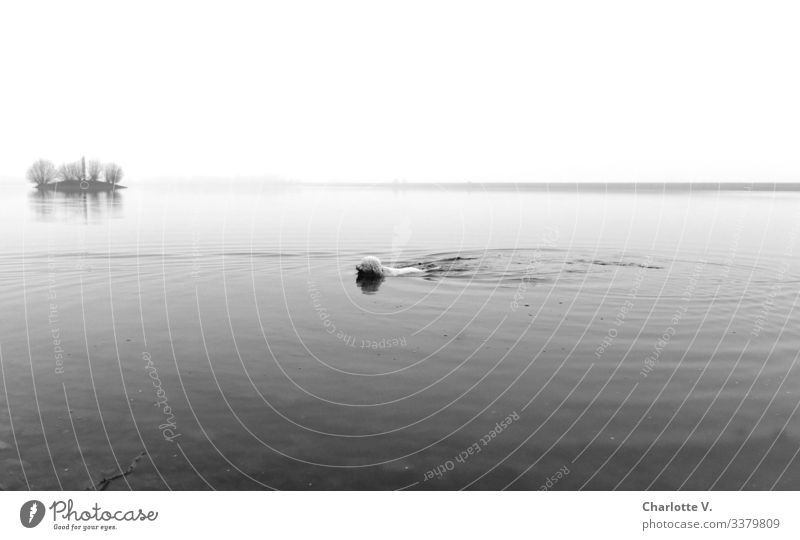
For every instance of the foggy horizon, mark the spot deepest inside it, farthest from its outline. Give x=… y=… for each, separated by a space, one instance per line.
x=439 y=92
x=268 y=179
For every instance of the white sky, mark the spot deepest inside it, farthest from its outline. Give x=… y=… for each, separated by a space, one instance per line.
x=430 y=90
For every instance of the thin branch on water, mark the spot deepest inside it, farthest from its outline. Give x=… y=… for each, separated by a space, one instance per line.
x=105 y=481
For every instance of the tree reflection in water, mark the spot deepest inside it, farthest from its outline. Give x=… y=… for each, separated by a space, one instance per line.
x=52 y=206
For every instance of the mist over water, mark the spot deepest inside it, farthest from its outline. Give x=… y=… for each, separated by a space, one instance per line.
x=636 y=340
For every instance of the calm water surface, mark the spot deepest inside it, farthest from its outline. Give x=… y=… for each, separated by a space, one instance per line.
x=574 y=340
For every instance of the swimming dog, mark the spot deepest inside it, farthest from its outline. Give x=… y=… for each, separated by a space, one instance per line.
x=371 y=268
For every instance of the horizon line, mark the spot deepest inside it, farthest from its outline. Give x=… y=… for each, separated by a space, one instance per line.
x=603 y=185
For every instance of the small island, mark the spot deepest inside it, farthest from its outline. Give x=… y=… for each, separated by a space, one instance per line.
x=76 y=177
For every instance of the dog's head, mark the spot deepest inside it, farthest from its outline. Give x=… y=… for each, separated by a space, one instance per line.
x=370 y=267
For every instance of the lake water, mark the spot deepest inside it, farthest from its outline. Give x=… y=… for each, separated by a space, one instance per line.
x=568 y=339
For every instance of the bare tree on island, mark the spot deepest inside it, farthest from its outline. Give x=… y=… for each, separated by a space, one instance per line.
x=71 y=171
x=93 y=171
x=42 y=172
x=113 y=173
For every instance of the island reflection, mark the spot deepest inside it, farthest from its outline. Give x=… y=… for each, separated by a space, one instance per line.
x=54 y=206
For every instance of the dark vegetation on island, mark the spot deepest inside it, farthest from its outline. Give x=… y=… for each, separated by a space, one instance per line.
x=76 y=177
